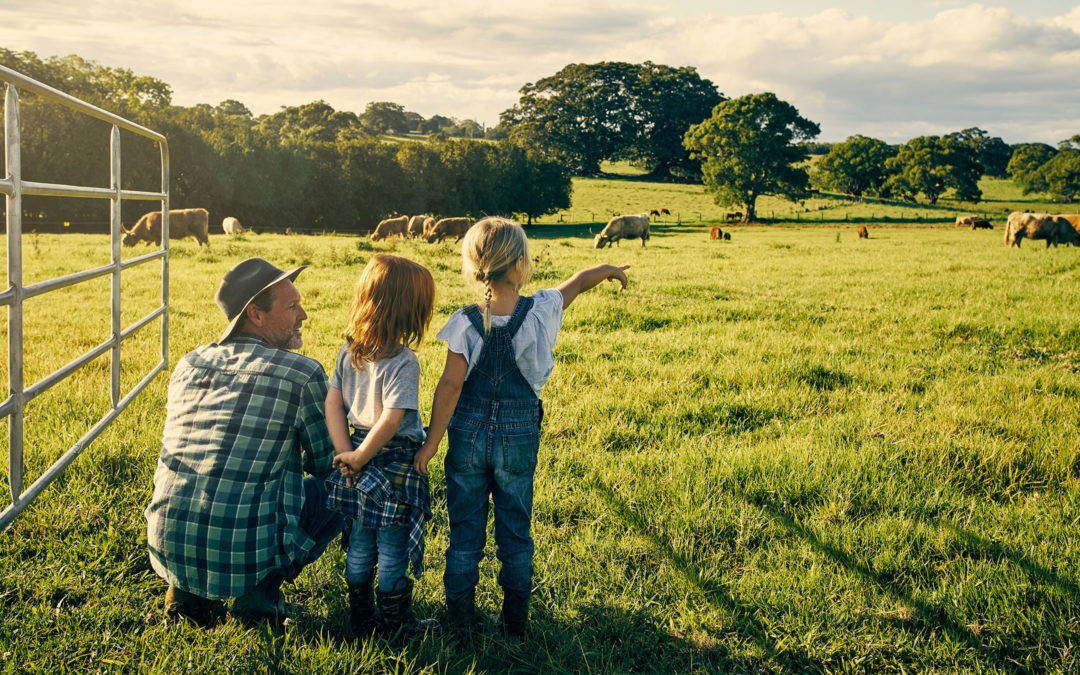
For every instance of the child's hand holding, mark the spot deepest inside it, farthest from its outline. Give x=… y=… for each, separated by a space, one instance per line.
x=423 y=456
x=350 y=463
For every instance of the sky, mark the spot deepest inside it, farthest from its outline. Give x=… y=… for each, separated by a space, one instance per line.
x=890 y=70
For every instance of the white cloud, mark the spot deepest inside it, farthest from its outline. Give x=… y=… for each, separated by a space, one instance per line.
x=853 y=71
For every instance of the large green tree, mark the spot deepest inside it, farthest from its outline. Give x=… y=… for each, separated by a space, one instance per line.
x=1060 y=175
x=750 y=148
x=992 y=152
x=856 y=166
x=931 y=165
x=1026 y=161
x=588 y=113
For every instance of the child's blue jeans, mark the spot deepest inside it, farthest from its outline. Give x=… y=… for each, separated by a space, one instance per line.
x=386 y=548
x=491 y=456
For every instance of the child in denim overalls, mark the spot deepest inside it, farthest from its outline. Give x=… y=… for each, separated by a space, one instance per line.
x=497 y=360
x=375 y=389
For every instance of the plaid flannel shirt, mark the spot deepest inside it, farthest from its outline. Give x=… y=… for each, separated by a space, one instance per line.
x=388 y=491
x=244 y=422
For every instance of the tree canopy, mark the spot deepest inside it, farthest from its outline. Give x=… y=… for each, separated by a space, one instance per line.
x=930 y=165
x=303 y=167
x=750 y=148
x=856 y=166
x=588 y=113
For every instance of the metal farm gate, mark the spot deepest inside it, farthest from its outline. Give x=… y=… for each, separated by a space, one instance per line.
x=13 y=187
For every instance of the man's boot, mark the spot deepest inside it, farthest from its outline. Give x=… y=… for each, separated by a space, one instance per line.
x=262 y=603
x=461 y=614
x=199 y=610
x=515 y=613
x=396 y=610
x=362 y=609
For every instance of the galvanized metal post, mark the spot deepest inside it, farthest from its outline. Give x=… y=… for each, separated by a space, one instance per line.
x=116 y=201
x=165 y=259
x=13 y=159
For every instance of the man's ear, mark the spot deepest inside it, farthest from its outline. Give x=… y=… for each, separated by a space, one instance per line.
x=253 y=315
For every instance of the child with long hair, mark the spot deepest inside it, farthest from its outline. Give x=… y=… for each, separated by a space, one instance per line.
x=499 y=355
x=375 y=390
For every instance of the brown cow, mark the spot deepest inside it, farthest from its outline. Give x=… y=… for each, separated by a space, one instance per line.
x=1074 y=220
x=1051 y=228
x=182 y=223
x=733 y=216
x=716 y=233
x=863 y=232
x=389 y=227
x=981 y=224
x=448 y=227
x=965 y=221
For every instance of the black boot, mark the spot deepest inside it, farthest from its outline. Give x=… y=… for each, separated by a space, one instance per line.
x=264 y=603
x=461 y=614
x=515 y=613
x=362 y=609
x=396 y=610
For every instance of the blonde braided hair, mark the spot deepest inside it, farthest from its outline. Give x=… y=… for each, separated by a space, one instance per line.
x=492 y=250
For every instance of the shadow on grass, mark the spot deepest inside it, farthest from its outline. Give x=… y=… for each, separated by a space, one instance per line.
x=976 y=545
x=601 y=639
x=743 y=615
x=933 y=617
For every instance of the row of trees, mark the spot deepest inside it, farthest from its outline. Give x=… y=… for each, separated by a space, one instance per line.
x=311 y=166
x=758 y=145
x=307 y=167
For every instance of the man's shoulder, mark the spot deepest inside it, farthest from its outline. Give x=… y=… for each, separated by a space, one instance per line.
x=255 y=357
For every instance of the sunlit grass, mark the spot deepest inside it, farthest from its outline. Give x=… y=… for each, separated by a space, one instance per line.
x=795 y=450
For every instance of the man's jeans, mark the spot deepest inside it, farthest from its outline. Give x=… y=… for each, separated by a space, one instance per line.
x=319 y=522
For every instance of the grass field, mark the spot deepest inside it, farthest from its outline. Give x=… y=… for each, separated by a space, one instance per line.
x=793 y=451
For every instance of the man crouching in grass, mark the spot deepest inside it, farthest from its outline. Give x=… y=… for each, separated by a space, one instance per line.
x=233 y=515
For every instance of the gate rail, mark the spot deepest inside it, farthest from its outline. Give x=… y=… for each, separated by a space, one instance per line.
x=13 y=187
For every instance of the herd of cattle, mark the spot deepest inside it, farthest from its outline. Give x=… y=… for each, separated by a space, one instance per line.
x=1054 y=229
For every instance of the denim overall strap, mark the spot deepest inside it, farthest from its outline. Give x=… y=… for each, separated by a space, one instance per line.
x=495 y=375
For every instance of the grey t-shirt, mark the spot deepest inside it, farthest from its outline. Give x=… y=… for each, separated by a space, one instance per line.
x=392 y=382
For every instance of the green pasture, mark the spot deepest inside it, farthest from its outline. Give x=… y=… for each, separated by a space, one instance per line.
x=623 y=189
x=792 y=451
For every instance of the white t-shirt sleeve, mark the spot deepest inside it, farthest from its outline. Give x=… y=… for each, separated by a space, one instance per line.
x=462 y=338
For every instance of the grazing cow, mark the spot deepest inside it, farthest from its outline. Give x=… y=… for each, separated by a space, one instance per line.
x=733 y=216
x=665 y=212
x=863 y=232
x=716 y=233
x=624 y=227
x=1051 y=228
x=654 y=212
x=416 y=226
x=390 y=226
x=727 y=236
x=981 y=224
x=965 y=221
x=1074 y=220
x=448 y=227
x=182 y=223
x=231 y=225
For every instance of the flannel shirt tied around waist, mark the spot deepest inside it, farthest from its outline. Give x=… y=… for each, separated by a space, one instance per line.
x=388 y=491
